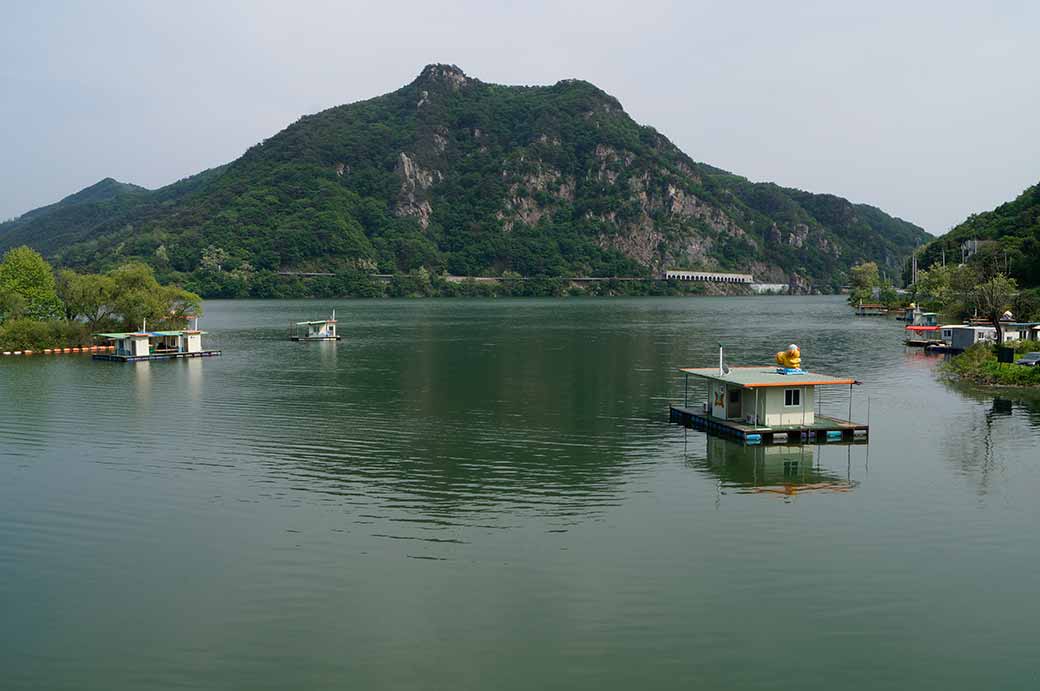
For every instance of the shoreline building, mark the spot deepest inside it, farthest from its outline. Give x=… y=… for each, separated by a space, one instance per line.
x=707 y=276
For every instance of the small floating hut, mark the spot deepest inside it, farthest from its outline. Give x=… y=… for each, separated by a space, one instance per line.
x=870 y=309
x=154 y=345
x=766 y=404
x=319 y=330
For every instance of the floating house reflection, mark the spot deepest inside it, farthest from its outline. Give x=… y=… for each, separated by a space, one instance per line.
x=785 y=470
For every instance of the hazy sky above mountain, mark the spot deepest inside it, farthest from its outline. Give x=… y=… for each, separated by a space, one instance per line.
x=927 y=110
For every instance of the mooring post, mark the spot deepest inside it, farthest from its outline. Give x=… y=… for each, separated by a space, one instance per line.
x=686 y=391
x=850 y=402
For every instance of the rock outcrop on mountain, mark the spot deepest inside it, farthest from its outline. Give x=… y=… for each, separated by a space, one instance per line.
x=461 y=176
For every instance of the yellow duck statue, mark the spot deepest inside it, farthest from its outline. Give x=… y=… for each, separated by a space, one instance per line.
x=790 y=358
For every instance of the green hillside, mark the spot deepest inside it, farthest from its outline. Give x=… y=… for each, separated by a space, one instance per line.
x=455 y=175
x=1009 y=236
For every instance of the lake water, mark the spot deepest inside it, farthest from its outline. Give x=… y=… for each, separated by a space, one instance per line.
x=487 y=494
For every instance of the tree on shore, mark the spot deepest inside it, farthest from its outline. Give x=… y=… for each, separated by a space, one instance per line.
x=992 y=298
x=12 y=305
x=865 y=276
x=39 y=310
x=87 y=296
x=138 y=297
x=28 y=284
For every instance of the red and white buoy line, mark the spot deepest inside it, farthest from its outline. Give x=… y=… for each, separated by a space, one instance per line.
x=63 y=351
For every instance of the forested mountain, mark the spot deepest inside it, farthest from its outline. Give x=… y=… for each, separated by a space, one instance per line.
x=1009 y=238
x=460 y=176
x=66 y=221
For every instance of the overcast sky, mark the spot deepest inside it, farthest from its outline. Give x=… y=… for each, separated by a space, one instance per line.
x=929 y=111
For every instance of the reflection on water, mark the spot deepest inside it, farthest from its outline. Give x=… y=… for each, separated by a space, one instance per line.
x=785 y=470
x=195 y=369
x=996 y=434
x=481 y=494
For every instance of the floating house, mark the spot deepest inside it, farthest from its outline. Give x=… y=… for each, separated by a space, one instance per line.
x=765 y=404
x=1021 y=331
x=870 y=309
x=925 y=319
x=320 y=330
x=924 y=329
x=911 y=314
x=154 y=345
x=959 y=337
x=923 y=336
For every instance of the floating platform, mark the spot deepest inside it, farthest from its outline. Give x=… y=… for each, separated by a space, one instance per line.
x=112 y=357
x=300 y=339
x=871 y=310
x=823 y=429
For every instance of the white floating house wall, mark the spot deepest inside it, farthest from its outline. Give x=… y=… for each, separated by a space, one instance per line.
x=1020 y=331
x=961 y=337
x=787 y=406
x=134 y=345
x=325 y=329
x=770 y=406
x=317 y=330
x=190 y=342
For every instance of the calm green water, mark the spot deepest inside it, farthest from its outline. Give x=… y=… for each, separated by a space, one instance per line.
x=488 y=494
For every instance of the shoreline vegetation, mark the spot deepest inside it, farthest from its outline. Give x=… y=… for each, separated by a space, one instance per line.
x=976 y=289
x=978 y=365
x=41 y=309
x=980 y=289
x=422 y=283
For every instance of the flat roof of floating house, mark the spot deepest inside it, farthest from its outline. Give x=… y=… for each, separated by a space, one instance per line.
x=318 y=321
x=150 y=334
x=763 y=376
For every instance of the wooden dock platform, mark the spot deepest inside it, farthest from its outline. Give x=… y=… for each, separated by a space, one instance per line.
x=824 y=429
x=112 y=357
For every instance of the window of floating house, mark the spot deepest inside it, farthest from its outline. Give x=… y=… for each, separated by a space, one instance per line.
x=792 y=397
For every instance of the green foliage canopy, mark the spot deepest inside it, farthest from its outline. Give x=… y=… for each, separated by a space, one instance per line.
x=28 y=284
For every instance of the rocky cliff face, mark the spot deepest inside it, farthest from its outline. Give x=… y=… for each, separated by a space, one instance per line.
x=458 y=175
x=629 y=188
